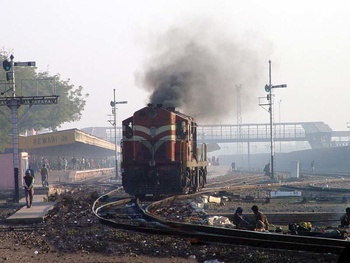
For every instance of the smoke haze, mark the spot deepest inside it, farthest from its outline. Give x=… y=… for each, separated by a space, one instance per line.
x=197 y=70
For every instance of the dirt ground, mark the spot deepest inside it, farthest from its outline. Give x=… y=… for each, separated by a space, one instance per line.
x=31 y=247
x=71 y=233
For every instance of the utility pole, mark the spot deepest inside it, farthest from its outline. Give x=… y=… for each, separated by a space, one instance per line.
x=272 y=173
x=268 y=88
x=14 y=102
x=279 y=121
x=113 y=104
x=239 y=123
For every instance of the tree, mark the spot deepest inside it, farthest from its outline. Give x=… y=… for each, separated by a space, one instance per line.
x=71 y=101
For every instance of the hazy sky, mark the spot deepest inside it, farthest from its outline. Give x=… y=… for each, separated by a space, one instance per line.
x=205 y=47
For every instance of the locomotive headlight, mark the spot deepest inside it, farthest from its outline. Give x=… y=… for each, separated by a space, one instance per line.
x=152 y=113
x=153 y=131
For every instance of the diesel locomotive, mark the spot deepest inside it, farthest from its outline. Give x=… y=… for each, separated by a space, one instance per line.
x=160 y=154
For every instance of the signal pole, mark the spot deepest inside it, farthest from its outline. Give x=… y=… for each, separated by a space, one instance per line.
x=114 y=123
x=272 y=172
x=268 y=88
x=14 y=102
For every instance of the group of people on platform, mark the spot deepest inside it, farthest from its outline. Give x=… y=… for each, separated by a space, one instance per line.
x=61 y=163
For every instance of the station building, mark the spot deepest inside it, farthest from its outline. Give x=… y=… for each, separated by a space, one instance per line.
x=53 y=146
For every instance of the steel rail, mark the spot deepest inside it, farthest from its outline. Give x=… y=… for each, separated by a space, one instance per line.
x=212 y=234
x=207 y=234
x=254 y=238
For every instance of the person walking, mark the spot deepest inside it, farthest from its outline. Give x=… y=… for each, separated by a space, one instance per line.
x=233 y=166
x=28 y=188
x=44 y=176
x=31 y=170
x=267 y=169
x=59 y=163
x=261 y=221
x=65 y=164
x=74 y=163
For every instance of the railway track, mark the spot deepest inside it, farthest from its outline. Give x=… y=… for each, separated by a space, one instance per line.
x=135 y=215
x=235 y=180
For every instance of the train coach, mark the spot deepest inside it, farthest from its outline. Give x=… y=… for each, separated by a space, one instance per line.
x=160 y=155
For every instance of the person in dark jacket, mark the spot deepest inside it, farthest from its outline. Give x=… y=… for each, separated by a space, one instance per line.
x=31 y=171
x=44 y=176
x=345 y=219
x=267 y=169
x=238 y=219
x=28 y=188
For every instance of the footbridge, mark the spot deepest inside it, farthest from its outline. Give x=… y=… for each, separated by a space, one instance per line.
x=318 y=134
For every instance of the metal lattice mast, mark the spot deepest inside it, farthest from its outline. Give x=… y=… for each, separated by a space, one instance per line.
x=113 y=104
x=239 y=121
x=13 y=103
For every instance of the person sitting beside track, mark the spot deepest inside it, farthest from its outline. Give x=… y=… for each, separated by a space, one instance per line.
x=238 y=219
x=29 y=188
x=261 y=221
x=345 y=219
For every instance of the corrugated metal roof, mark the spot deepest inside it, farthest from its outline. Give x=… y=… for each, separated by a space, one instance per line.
x=66 y=143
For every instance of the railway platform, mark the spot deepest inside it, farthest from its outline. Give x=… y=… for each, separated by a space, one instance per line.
x=35 y=214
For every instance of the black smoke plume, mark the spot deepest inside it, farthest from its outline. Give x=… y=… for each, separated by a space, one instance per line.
x=197 y=72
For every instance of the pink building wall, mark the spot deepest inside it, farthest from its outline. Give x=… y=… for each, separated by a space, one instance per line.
x=7 y=179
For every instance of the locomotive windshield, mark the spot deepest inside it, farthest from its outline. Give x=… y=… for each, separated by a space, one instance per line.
x=181 y=130
x=128 y=130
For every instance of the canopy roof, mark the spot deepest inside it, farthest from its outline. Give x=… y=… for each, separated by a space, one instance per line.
x=66 y=143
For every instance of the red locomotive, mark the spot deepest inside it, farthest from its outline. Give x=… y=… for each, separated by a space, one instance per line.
x=160 y=155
